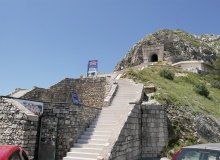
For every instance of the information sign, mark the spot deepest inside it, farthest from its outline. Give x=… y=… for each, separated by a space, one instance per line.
x=35 y=107
x=92 y=68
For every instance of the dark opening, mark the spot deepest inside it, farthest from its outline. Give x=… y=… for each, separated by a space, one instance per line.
x=154 y=58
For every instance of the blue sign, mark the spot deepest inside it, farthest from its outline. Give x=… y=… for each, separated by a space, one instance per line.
x=75 y=98
x=92 y=68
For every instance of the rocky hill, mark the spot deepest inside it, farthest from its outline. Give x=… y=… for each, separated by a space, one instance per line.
x=178 y=46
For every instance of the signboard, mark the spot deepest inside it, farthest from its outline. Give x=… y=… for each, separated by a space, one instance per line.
x=75 y=98
x=35 y=107
x=92 y=70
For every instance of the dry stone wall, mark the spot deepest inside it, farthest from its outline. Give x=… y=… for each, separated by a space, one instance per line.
x=18 y=126
x=91 y=91
x=128 y=144
x=154 y=130
x=72 y=122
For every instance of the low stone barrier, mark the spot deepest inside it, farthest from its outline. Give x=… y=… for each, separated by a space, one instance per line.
x=110 y=95
x=18 y=126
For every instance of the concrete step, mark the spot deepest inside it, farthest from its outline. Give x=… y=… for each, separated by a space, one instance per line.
x=86 y=150
x=108 y=113
x=99 y=129
x=109 y=107
x=112 y=107
x=124 y=103
x=78 y=158
x=91 y=145
x=97 y=133
x=105 y=116
x=107 y=119
x=100 y=137
x=115 y=110
x=89 y=141
x=112 y=113
x=97 y=125
x=82 y=155
x=123 y=99
x=103 y=123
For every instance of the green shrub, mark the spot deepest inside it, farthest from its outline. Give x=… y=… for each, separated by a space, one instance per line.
x=201 y=89
x=131 y=73
x=215 y=84
x=167 y=74
x=189 y=80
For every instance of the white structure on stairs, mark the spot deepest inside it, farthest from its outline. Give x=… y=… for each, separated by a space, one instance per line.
x=108 y=123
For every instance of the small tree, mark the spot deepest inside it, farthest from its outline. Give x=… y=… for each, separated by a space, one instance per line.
x=201 y=89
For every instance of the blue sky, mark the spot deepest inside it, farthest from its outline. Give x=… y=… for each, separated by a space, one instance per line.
x=45 y=41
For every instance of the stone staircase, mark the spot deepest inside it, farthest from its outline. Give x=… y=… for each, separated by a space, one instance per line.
x=92 y=142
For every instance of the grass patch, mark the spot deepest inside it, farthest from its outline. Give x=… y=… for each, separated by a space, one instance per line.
x=180 y=91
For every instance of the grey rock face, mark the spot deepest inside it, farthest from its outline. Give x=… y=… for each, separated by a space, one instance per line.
x=178 y=46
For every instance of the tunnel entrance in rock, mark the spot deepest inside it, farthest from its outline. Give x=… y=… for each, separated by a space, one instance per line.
x=154 y=58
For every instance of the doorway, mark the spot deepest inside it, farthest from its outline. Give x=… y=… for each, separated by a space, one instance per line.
x=154 y=58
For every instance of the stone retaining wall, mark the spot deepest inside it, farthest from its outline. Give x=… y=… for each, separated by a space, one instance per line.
x=18 y=126
x=142 y=133
x=91 y=91
x=154 y=130
x=72 y=122
x=128 y=144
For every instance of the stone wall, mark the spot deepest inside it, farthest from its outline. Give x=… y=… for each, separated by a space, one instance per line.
x=128 y=144
x=18 y=126
x=72 y=122
x=91 y=91
x=154 y=130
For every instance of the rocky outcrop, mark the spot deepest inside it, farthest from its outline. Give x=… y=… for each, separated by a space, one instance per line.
x=188 y=125
x=178 y=46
